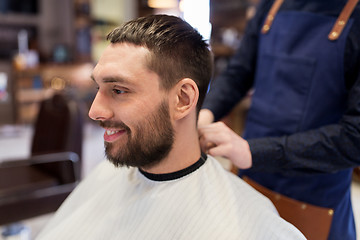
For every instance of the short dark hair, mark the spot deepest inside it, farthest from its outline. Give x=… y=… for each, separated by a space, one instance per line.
x=177 y=50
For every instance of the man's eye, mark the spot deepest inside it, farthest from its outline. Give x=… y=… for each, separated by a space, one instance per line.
x=117 y=91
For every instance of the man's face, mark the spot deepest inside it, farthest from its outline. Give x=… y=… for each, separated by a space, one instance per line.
x=131 y=107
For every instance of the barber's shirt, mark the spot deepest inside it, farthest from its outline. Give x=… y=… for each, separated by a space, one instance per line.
x=286 y=153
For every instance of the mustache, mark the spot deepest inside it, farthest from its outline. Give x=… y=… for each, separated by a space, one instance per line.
x=112 y=124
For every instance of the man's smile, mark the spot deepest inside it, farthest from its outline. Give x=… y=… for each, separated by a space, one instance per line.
x=112 y=135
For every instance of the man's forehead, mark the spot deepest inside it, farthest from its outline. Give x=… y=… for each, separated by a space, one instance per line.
x=123 y=57
x=127 y=72
x=125 y=53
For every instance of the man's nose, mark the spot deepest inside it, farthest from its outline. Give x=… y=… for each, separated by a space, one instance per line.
x=100 y=108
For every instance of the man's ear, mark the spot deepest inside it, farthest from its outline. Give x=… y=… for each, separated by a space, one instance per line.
x=187 y=94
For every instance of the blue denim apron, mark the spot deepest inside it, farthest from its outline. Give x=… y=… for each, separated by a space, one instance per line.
x=299 y=85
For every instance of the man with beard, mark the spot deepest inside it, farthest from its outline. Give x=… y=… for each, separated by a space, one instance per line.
x=151 y=81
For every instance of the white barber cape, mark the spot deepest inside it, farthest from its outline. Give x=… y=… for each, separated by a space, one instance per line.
x=203 y=201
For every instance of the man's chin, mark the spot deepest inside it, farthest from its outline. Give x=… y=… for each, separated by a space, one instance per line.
x=112 y=155
x=115 y=160
x=120 y=160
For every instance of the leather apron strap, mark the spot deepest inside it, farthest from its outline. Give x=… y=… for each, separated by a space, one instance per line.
x=271 y=15
x=342 y=20
x=335 y=31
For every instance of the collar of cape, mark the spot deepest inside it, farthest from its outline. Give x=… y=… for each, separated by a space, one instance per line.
x=178 y=174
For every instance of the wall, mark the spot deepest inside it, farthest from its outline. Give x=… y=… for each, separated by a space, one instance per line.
x=115 y=11
x=109 y=14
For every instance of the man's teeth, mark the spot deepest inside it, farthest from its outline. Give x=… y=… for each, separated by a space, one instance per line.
x=111 y=132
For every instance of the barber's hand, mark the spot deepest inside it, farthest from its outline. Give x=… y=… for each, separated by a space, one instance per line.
x=205 y=117
x=217 y=139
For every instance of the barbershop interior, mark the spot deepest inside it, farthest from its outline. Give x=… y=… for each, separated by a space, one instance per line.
x=48 y=143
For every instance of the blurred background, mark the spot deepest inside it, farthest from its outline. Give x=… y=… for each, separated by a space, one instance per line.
x=48 y=49
x=51 y=45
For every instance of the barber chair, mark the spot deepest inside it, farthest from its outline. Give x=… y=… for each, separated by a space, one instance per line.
x=40 y=183
x=313 y=221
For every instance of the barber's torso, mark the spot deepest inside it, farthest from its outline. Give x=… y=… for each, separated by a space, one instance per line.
x=300 y=85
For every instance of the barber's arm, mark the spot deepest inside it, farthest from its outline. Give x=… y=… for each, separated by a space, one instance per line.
x=226 y=91
x=326 y=149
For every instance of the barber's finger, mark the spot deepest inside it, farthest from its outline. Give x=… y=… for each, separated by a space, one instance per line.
x=218 y=138
x=210 y=145
x=218 y=151
x=209 y=140
x=206 y=130
x=214 y=131
x=207 y=149
x=214 y=125
x=206 y=145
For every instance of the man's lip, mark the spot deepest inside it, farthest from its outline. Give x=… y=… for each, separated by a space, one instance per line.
x=112 y=135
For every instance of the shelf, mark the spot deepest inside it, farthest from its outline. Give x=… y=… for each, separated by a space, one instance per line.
x=19 y=19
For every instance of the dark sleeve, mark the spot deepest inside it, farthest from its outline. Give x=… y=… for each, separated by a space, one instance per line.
x=229 y=87
x=326 y=149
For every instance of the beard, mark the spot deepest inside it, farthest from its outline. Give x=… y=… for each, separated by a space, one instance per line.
x=148 y=143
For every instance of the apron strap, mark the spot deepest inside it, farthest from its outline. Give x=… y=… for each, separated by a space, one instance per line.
x=342 y=20
x=271 y=15
x=334 y=33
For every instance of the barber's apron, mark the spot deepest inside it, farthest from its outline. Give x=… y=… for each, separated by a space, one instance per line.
x=300 y=85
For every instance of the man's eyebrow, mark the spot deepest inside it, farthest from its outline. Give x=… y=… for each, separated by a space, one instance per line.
x=112 y=80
